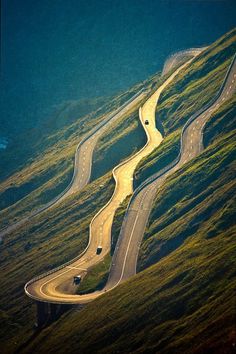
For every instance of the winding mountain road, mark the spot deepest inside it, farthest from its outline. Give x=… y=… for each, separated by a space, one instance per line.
x=57 y=286
x=82 y=160
x=176 y=58
x=125 y=257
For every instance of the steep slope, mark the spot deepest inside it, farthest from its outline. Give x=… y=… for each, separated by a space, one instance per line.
x=34 y=242
x=209 y=192
x=42 y=179
x=189 y=92
x=185 y=301
x=142 y=314
x=45 y=153
x=54 y=237
x=51 y=286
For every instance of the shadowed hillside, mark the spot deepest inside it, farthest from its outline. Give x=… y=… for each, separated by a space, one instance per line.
x=182 y=299
x=184 y=302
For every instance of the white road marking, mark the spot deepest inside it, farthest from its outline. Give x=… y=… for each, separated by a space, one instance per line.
x=78 y=268
x=48 y=281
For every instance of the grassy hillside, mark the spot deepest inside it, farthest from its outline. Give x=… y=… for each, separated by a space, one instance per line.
x=206 y=188
x=196 y=84
x=188 y=92
x=49 y=168
x=184 y=301
x=124 y=137
x=47 y=174
x=221 y=122
x=159 y=158
x=49 y=240
x=64 y=121
x=40 y=150
x=110 y=149
x=56 y=235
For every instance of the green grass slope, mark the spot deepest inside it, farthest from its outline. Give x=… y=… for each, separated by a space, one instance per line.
x=49 y=240
x=184 y=302
x=183 y=299
x=110 y=149
x=123 y=137
x=195 y=86
x=48 y=169
x=57 y=235
x=61 y=233
x=206 y=187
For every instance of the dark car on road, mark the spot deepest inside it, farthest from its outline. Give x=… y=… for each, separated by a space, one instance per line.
x=77 y=279
x=99 y=250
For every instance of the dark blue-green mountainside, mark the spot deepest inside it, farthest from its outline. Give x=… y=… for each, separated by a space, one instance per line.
x=57 y=52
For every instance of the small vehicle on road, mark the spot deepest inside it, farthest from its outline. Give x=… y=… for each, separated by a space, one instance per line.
x=99 y=250
x=77 y=279
x=146 y=122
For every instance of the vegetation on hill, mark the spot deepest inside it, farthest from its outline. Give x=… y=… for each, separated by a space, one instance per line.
x=61 y=233
x=195 y=86
x=48 y=240
x=110 y=149
x=96 y=277
x=221 y=122
x=125 y=132
x=159 y=158
x=184 y=300
x=193 y=196
x=117 y=221
x=46 y=175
